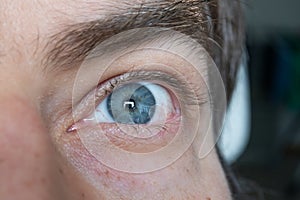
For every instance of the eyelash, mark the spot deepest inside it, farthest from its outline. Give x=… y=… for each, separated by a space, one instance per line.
x=180 y=86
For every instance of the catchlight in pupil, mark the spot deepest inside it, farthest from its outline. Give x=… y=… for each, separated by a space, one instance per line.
x=131 y=103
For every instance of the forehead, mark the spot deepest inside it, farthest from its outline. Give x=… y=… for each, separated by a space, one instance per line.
x=25 y=16
x=29 y=23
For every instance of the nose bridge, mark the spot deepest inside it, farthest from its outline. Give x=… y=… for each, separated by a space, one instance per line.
x=20 y=124
x=27 y=161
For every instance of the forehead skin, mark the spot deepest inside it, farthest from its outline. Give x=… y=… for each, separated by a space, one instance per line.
x=28 y=24
x=25 y=29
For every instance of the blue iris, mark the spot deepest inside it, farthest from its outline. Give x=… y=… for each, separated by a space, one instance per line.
x=131 y=104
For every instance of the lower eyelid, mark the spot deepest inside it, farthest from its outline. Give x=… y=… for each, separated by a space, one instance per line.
x=142 y=142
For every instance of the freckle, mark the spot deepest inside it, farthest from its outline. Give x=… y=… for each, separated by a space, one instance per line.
x=208 y=198
x=61 y=171
x=83 y=195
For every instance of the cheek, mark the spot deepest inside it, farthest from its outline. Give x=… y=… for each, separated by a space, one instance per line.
x=21 y=127
x=187 y=178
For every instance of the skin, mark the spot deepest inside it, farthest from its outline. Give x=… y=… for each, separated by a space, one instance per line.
x=37 y=159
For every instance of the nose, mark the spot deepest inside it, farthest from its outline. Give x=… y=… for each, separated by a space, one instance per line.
x=28 y=167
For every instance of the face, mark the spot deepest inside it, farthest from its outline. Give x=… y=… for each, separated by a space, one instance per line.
x=47 y=136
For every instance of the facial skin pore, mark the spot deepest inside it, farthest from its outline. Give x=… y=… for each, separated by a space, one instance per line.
x=38 y=160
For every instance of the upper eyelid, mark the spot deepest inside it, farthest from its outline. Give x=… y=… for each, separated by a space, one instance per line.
x=180 y=86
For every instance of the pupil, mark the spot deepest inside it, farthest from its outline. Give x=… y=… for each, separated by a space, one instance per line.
x=129 y=105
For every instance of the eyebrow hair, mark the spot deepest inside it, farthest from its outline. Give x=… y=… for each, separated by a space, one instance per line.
x=73 y=43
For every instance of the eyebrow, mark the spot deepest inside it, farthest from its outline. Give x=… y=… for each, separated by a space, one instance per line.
x=72 y=44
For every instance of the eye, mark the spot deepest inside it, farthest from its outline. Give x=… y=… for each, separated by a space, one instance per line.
x=138 y=119
x=135 y=104
x=136 y=116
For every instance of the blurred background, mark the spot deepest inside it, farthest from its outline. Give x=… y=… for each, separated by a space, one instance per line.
x=271 y=159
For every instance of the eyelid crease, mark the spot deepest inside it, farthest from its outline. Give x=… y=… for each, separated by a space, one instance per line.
x=181 y=87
